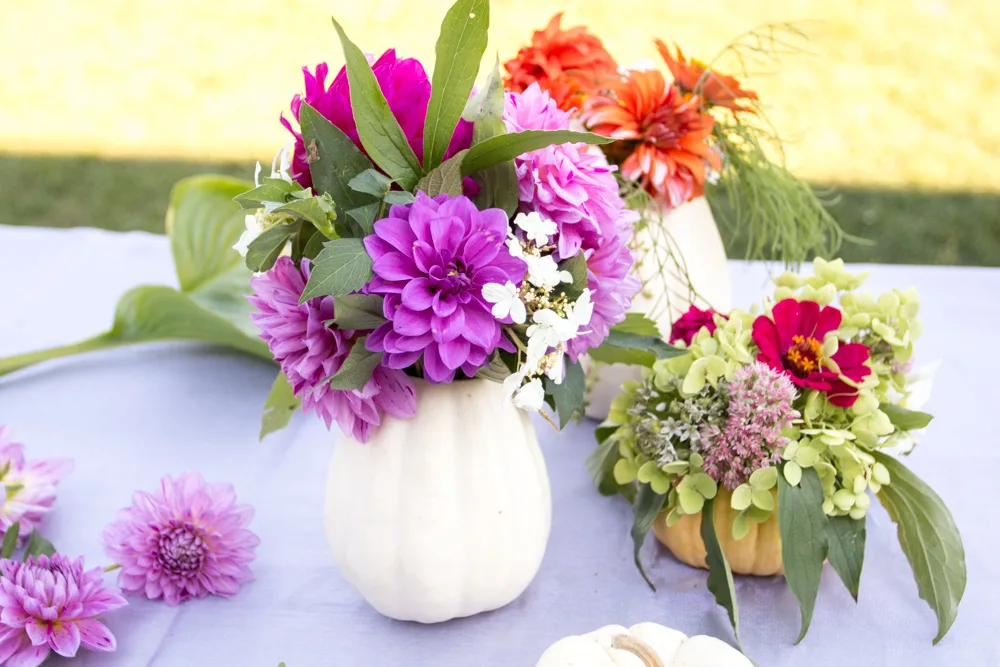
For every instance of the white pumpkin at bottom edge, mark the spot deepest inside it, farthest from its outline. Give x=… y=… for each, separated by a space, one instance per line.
x=444 y=515
x=642 y=645
x=694 y=239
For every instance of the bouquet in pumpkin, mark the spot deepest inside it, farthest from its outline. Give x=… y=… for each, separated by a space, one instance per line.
x=415 y=231
x=756 y=447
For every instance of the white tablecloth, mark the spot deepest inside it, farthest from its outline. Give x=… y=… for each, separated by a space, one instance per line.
x=130 y=416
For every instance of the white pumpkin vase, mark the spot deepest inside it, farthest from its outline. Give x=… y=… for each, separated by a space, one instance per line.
x=444 y=515
x=690 y=234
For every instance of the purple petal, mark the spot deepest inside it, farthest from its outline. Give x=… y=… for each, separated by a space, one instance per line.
x=417 y=295
x=479 y=250
x=481 y=328
x=425 y=256
x=454 y=353
x=64 y=638
x=448 y=328
x=394 y=266
x=409 y=322
x=396 y=393
x=396 y=233
x=435 y=370
x=443 y=304
x=30 y=656
x=446 y=234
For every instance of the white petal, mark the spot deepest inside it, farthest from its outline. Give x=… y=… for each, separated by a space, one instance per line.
x=531 y=397
x=495 y=293
x=256 y=176
x=517 y=312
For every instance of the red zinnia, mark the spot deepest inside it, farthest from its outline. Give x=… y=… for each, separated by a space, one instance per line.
x=793 y=343
x=690 y=323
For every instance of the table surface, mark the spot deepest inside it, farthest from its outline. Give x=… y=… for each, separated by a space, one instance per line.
x=129 y=416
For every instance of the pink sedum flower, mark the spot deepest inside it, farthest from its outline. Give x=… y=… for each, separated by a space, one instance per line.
x=188 y=540
x=27 y=488
x=52 y=604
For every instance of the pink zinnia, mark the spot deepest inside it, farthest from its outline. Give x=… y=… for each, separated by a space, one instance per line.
x=309 y=352
x=690 y=323
x=52 y=604
x=760 y=407
x=406 y=88
x=187 y=540
x=432 y=259
x=27 y=488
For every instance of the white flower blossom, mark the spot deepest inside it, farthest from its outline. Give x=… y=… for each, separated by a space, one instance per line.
x=506 y=300
x=514 y=247
x=254 y=228
x=544 y=272
x=536 y=228
x=530 y=397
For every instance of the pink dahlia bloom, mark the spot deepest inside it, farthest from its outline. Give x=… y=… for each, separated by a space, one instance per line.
x=567 y=184
x=52 y=604
x=760 y=406
x=432 y=259
x=309 y=351
x=187 y=540
x=690 y=323
x=406 y=88
x=27 y=488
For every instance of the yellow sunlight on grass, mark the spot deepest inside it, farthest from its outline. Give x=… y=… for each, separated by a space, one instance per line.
x=900 y=92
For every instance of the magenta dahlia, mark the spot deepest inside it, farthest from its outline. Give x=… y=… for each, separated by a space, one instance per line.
x=406 y=88
x=309 y=352
x=27 y=488
x=568 y=184
x=52 y=604
x=188 y=540
x=432 y=259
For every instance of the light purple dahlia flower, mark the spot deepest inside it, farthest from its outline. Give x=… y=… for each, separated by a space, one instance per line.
x=407 y=90
x=568 y=184
x=52 y=604
x=432 y=259
x=309 y=351
x=187 y=540
x=27 y=488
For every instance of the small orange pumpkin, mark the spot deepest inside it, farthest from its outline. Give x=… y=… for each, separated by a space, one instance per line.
x=758 y=553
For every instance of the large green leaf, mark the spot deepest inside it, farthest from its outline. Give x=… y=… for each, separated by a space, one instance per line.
x=445 y=178
x=460 y=47
x=720 y=576
x=10 y=540
x=570 y=394
x=505 y=147
x=378 y=129
x=357 y=369
x=646 y=507
x=626 y=347
x=906 y=420
x=37 y=546
x=281 y=404
x=847 y=549
x=930 y=540
x=802 y=525
x=342 y=267
x=497 y=184
x=358 y=311
x=266 y=248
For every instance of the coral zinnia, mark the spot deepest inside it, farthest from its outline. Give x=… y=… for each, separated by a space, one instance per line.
x=695 y=77
x=569 y=64
x=52 y=604
x=792 y=342
x=27 y=488
x=664 y=135
x=310 y=352
x=187 y=540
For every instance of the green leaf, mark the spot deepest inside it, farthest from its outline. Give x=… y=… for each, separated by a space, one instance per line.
x=497 y=184
x=399 y=197
x=646 y=507
x=720 y=576
x=847 y=549
x=446 y=178
x=264 y=251
x=365 y=217
x=903 y=419
x=10 y=540
x=302 y=240
x=459 y=49
x=496 y=370
x=357 y=368
x=802 y=525
x=37 y=546
x=505 y=147
x=577 y=267
x=637 y=323
x=570 y=394
x=929 y=538
x=271 y=190
x=625 y=347
x=311 y=209
x=371 y=182
x=333 y=160
x=281 y=404
x=380 y=133
x=358 y=312
x=342 y=267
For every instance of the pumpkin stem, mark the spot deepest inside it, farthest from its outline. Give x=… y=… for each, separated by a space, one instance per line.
x=638 y=648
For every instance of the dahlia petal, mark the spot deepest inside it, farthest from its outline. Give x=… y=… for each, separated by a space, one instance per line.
x=409 y=322
x=443 y=304
x=481 y=328
x=418 y=294
x=395 y=267
x=435 y=370
x=29 y=656
x=448 y=328
x=12 y=642
x=37 y=631
x=396 y=232
x=454 y=353
x=64 y=638
x=96 y=636
x=397 y=395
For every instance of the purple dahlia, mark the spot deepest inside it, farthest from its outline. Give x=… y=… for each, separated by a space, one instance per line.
x=27 y=488
x=432 y=259
x=406 y=88
x=309 y=352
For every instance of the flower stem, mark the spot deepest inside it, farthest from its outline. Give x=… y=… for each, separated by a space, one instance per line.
x=112 y=568
x=17 y=362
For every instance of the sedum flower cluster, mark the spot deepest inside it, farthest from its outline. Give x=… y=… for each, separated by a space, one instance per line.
x=769 y=393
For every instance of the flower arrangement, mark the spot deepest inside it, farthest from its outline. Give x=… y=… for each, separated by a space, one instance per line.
x=413 y=230
x=783 y=415
x=691 y=132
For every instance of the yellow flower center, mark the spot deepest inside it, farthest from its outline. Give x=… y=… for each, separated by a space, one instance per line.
x=804 y=356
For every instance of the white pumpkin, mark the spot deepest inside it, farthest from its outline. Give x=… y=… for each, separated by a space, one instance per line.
x=444 y=515
x=692 y=236
x=642 y=645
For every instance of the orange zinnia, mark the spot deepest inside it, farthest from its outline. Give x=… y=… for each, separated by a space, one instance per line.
x=694 y=76
x=567 y=63
x=663 y=135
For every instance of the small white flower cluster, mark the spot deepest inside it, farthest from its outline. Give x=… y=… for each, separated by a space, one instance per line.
x=554 y=320
x=255 y=221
